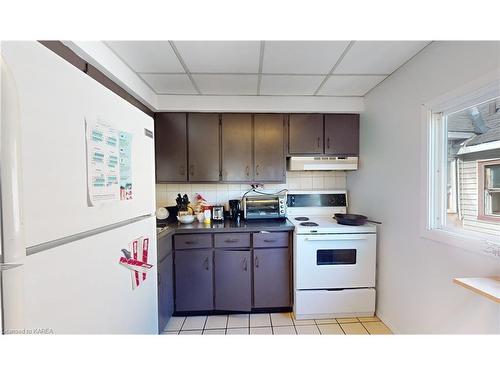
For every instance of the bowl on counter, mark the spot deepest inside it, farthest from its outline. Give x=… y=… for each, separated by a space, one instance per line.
x=186 y=219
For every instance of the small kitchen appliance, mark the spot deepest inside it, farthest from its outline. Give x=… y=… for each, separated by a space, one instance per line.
x=218 y=213
x=264 y=206
x=234 y=209
x=334 y=264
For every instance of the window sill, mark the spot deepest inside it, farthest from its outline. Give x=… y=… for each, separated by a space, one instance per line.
x=488 y=287
x=483 y=244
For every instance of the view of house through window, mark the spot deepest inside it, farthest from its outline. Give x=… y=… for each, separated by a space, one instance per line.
x=473 y=168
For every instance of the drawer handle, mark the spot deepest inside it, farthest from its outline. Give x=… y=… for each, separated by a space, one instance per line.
x=206 y=263
x=233 y=240
x=191 y=242
x=269 y=241
x=256 y=261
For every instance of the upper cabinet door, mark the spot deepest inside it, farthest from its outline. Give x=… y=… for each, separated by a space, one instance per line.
x=306 y=134
x=171 y=147
x=269 y=150
x=342 y=134
x=203 y=140
x=237 y=147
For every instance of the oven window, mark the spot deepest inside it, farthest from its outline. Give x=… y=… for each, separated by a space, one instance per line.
x=262 y=207
x=335 y=256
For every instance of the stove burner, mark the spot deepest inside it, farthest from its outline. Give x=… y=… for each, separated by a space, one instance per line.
x=302 y=218
x=309 y=224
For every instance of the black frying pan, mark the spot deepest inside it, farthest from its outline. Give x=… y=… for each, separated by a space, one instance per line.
x=353 y=219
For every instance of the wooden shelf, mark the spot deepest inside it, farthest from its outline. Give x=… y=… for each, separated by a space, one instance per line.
x=488 y=287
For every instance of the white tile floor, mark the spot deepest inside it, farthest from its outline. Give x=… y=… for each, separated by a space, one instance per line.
x=272 y=324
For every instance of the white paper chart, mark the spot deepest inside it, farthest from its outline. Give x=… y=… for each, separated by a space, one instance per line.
x=109 y=156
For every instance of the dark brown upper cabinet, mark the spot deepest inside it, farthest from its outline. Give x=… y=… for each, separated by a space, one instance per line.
x=342 y=134
x=237 y=163
x=305 y=134
x=269 y=150
x=203 y=141
x=171 y=147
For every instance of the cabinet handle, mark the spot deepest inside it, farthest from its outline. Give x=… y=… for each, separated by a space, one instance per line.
x=328 y=142
x=319 y=139
x=247 y=171
x=206 y=263
x=182 y=170
x=245 y=264
x=191 y=170
x=256 y=261
x=257 y=170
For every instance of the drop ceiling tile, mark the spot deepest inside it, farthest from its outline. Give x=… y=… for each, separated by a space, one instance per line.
x=169 y=83
x=289 y=85
x=378 y=57
x=220 y=56
x=349 y=85
x=227 y=84
x=302 y=57
x=147 y=56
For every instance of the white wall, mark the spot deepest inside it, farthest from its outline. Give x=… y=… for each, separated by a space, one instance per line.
x=415 y=289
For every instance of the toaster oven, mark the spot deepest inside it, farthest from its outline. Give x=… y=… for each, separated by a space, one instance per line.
x=264 y=206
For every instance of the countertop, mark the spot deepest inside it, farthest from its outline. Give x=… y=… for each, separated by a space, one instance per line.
x=228 y=226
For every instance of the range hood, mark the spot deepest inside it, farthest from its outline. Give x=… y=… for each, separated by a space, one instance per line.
x=322 y=163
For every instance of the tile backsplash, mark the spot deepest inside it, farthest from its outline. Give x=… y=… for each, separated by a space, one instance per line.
x=221 y=193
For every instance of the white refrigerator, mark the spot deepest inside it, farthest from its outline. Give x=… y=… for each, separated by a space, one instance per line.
x=67 y=245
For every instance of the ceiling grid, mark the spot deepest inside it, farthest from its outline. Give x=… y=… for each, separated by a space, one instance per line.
x=265 y=68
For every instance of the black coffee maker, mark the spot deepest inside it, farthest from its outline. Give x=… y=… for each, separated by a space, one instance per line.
x=235 y=209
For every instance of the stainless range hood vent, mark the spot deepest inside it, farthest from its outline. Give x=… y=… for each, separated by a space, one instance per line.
x=322 y=163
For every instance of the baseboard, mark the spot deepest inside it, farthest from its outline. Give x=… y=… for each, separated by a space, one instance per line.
x=391 y=326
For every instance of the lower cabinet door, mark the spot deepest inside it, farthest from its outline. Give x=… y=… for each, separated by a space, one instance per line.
x=165 y=292
x=194 y=280
x=233 y=280
x=271 y=278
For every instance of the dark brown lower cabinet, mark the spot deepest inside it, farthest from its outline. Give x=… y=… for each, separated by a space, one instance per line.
x=194 y=280
x=236 y=275
x=233 y=280
x=165 y=281
x=165 y=291
x=271 y=278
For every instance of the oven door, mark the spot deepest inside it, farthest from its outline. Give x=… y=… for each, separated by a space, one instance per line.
x=335 y=261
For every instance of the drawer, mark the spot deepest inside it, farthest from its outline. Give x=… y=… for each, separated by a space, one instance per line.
x=325 y=304
x=273 y=239
x=232 y=240
x=192 y=241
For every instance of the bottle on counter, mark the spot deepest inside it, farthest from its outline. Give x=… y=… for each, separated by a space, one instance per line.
x=208 y=216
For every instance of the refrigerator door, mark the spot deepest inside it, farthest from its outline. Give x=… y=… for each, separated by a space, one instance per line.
x=12 y=249
x=80 y=287
x=55 y=100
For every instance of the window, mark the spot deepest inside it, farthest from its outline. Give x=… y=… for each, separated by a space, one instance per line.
x=463 y=170
x=489 y=190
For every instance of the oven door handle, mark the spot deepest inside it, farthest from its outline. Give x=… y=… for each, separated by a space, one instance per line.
x=337 y=237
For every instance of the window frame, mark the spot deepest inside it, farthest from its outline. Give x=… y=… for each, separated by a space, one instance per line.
x=481 y=191
x=433 y=185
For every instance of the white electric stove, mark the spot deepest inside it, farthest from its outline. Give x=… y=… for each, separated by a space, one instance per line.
x=334 y=264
